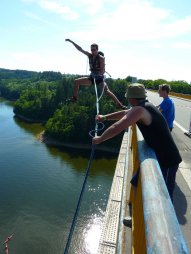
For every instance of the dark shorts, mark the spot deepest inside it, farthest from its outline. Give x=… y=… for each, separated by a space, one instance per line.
x=98 y=79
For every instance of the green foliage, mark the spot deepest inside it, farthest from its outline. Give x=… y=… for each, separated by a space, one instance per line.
x=50 y=76
x=176 y=86
x=118 y=87
x=11 y=89
x=70 y=123
x=180 y=87
x=37 y=102
x=41 y=96
x=73 y=122
x=17 y=74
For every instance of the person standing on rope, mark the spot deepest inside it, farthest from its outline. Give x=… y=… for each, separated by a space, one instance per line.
x=153 y=127
x=97 y=68
x=167 y=105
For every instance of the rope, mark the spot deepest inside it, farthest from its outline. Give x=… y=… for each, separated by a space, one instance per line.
x=86 y=175
x=79 y=202
x=102 y=89
x=108 y=74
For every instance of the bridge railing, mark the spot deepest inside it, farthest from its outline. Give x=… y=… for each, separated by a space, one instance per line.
x=155 y=228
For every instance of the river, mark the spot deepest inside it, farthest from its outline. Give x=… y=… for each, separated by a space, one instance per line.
x=39 y=190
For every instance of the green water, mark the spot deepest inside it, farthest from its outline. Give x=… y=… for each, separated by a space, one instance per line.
x=39 y=190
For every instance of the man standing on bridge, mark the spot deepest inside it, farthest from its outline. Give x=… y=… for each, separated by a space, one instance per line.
x=153 y=127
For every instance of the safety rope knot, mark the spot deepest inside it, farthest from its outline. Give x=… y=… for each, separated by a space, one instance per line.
x=95 y=131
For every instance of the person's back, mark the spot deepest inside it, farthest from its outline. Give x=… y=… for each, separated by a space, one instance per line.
x=168 y=111
x=158 y=136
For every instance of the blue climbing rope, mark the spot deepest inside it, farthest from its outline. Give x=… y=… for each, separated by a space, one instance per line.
x=86 y=175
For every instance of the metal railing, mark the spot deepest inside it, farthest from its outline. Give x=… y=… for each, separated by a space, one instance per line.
x=155 y=228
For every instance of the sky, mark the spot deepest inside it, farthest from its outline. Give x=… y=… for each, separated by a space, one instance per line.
x=147 y=39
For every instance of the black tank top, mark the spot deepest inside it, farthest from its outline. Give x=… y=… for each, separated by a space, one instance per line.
x=158 y=137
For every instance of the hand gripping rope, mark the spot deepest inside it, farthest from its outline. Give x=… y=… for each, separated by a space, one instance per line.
x=87 y=171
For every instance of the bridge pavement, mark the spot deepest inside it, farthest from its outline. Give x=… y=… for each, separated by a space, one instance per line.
x=182 y=194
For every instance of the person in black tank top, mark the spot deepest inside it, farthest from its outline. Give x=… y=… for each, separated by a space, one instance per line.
x=153 y=127
x=158 y=136
x=97 y=69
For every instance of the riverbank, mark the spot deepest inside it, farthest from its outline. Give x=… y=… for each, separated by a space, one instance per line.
x=56 y=143
x=52 y=142
x=29 y=120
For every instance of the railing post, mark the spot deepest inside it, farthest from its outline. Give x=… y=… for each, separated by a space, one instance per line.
x=134 y=159
x=135 y=199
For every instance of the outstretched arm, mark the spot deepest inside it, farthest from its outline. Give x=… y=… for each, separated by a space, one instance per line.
x=78 y=47
x=132 y=116
x=113 y=116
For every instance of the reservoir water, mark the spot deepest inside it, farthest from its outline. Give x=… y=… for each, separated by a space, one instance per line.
x=40 y=187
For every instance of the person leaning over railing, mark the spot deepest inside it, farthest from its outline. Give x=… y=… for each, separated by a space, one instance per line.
x=153 y=127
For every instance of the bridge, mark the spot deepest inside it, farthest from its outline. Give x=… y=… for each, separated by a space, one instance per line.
x=157 y=226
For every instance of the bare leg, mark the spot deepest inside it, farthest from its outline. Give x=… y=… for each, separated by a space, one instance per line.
x=80 y=82
x=111 y=95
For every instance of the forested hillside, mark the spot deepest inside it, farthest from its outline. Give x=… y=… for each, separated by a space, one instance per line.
x=41 y=96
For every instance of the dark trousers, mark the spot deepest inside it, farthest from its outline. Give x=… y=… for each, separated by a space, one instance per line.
x=169 y=175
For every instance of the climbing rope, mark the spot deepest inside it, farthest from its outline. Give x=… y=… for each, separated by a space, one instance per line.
x=79 y=201
x=104 y=84
x=87 y=172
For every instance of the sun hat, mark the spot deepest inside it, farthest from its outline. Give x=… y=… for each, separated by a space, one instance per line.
x=135 y=91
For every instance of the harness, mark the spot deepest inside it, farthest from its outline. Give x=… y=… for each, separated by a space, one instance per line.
x=94 y=64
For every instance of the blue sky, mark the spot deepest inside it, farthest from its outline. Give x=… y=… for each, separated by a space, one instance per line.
x=147 y=39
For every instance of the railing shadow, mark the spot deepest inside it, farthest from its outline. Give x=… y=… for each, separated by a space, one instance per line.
x=180 y=205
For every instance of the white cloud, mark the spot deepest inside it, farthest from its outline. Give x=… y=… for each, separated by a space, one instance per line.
x=92 y=7
x=138 y=39
x=58 y=7
x=126 y=20
x=26 y=60
x=182 y=45
x=55 y=6
x=42 y=20
x=146 y=67
x=135 y=20
x=45 y=61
